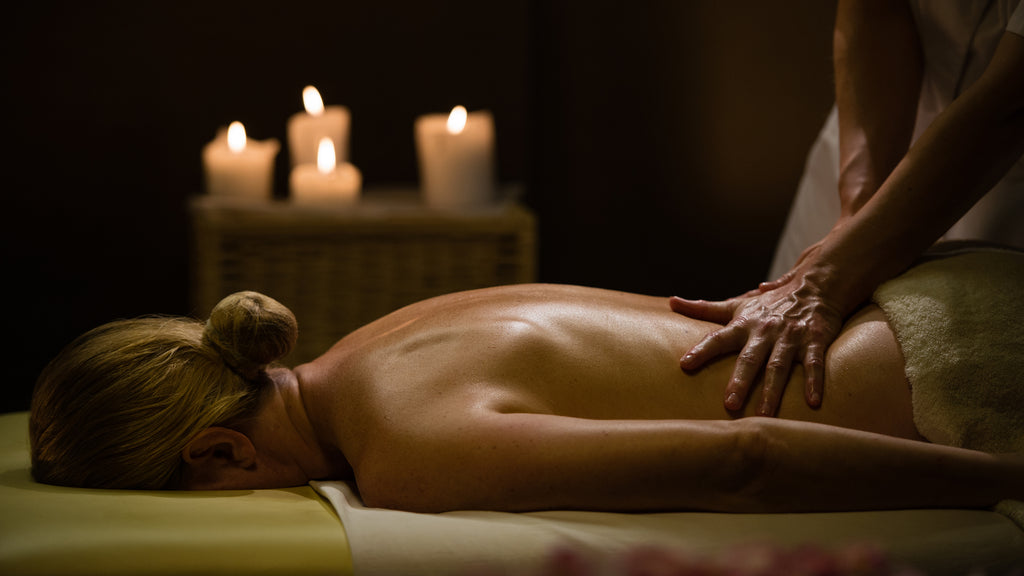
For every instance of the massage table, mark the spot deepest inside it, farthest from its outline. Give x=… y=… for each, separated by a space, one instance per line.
x=325 y=529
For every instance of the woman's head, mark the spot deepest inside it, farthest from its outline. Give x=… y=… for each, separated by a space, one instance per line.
x=116 y=407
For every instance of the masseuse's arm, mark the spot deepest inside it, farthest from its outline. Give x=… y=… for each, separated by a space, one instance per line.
x=963 y=153
x=534 y=461
x=878 y=67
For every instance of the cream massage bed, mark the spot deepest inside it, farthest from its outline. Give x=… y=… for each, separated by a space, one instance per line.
x=325 y=530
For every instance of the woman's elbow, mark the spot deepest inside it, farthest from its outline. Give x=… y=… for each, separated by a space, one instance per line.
x=750 y=475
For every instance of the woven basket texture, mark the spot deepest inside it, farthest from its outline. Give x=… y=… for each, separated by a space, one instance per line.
x=338 y=269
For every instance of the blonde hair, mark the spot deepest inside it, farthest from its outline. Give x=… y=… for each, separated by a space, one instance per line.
x=116 y=407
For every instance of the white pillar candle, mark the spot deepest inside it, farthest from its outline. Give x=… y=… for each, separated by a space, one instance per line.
x=456 y=159
x=306 y=129
x=325 y=182
x=239 y=167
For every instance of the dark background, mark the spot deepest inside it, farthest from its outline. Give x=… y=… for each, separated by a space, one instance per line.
x=659 y=142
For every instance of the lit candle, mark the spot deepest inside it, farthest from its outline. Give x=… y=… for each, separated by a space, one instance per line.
x=239 y=167
x=326 y=182
x=456 y=159
x=306 y=129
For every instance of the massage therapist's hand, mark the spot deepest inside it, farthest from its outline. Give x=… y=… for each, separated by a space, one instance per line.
x=783 y=322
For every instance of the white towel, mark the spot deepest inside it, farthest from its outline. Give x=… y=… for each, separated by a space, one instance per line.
x=1012 y=509
x=960 y=322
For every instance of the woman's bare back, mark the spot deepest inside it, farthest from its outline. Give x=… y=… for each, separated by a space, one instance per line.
x=578 y=352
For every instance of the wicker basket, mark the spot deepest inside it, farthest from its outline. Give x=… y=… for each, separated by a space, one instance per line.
x=340 y=268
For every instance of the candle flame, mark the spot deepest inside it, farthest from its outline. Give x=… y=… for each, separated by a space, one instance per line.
x=236 y=137
x=312 y=101
x=457 y=120
x=325 y=156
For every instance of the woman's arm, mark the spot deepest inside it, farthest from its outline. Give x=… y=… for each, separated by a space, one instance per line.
x=523 y=462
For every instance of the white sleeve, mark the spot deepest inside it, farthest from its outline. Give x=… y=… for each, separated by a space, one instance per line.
x=1016 y=24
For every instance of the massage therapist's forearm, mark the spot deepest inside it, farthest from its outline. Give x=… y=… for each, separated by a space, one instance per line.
x=965 y=151
x=808 y=467
x=878 y=68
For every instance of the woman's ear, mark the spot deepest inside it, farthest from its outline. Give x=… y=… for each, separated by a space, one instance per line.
x=218 y=459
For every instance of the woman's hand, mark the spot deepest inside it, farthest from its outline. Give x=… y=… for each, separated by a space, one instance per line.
x=785 y=321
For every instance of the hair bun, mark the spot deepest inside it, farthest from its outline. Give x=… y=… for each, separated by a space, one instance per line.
x=250 y=330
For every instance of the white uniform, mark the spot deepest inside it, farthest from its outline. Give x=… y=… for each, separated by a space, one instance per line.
x=958 y=39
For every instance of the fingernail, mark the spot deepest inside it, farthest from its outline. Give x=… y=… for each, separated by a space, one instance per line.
x=815 y=398
x=733 y=401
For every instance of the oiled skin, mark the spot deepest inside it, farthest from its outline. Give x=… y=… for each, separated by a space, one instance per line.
x=395 y=395
x=587 y=353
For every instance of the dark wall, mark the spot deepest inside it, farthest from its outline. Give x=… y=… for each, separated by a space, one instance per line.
x=670 y=137
x=660 y=142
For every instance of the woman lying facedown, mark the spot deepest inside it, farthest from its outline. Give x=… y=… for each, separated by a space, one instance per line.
x=511 y=398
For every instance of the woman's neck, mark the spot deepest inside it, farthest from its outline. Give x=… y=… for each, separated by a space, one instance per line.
x=319 y=459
